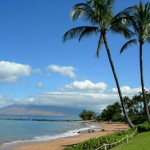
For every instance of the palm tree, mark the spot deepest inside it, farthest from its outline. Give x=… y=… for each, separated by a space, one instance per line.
x=99 y=14
x=137 y=18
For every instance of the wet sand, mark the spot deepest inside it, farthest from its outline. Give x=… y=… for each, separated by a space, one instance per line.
x=60 y=144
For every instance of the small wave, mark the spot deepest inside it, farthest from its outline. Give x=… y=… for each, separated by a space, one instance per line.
x=70 y=133
x=66 y=134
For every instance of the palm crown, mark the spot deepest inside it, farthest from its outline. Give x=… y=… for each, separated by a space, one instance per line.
x=99 y=13
x=137 y=19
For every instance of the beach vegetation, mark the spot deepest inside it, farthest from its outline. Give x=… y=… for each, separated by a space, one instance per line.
x=87 y=115
x=134 y=107
x=112 y=113
x=121 y=139
x=144 y=127
x=93 y=144
x=99 y=13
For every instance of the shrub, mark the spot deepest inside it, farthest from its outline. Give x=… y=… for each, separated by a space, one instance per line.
x=144 y=127
x=138 y=120
x=92 y=144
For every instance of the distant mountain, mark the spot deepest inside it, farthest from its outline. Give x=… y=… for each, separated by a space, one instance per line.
x=39 y=110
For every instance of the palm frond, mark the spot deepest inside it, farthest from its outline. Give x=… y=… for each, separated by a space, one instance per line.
x=124 y=12
x=142 y=17
x=88 y=31
x=84 y=11
x=102 y=11
x=107 y=13
x=110 y=3
x=127 y=44
x=79 y=32
x=148 y=39
x=128 y=15
x=130 y=10
x=126 y=32
x=100 y=42
x=80 y=9
x=73 y=33
x=121 y=29
x=148 y=6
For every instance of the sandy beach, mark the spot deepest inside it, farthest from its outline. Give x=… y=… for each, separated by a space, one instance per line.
x=59 y=144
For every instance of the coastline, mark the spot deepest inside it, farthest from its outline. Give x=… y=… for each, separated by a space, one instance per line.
x=61 y=143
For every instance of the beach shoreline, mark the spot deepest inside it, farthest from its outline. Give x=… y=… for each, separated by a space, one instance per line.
x=107 y=128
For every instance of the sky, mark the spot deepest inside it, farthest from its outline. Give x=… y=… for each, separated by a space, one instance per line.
x=36 y=67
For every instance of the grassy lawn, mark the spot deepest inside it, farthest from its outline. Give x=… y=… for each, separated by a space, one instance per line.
x=139 y=142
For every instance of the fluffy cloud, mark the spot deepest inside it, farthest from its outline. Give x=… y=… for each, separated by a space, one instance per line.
x=90 y=101
x=86 y=85
x=10 y=71
x=63 y=70
x=79 y=94
x=4 y=101
x=126 y=90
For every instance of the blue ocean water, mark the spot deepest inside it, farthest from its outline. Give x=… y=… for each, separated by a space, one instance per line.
x=17 y=129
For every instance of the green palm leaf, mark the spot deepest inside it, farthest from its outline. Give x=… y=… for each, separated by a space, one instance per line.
x=127 y=44
x=88 y=31
x=121 y=29
x=148 y=39
x=77 y=32
x=82 y=10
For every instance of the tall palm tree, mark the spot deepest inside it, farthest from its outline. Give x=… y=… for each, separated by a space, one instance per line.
x=137 y=18
x=99 y=14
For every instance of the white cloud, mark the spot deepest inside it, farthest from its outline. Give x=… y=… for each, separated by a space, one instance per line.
x=4 y=101
x=79 y=94
x=126 y=90
x=39 y=85
x=86 y=85
x=63 y=70
x=11 y=71
x=90 y=101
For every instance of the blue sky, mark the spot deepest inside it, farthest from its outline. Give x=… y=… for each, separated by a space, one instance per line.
x=36 y=67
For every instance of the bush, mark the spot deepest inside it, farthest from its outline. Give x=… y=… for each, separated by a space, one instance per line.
x=92 y=144
x=138 y=120
x=144 y=127
x=87 y=115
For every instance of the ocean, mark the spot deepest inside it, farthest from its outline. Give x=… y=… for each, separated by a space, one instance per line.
x=15 y=130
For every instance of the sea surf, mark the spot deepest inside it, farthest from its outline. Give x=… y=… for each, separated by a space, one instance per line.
x=16 y=130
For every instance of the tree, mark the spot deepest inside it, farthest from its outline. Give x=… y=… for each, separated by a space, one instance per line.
x=137 y=18
x=112 y=113
x=87 y=115
x=100 y=15
x=134 y=106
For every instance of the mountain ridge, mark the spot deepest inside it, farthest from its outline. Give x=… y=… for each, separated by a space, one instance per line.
x=39 y=110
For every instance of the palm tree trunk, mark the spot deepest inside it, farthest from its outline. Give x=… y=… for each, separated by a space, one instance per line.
x=117 y=82
x=142 y=85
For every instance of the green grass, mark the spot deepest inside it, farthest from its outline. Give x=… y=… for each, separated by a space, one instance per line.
x=139 y=142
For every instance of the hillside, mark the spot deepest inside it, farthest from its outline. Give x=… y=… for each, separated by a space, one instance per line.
x=38 y=110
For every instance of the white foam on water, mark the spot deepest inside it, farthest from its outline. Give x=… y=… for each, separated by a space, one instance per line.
x=70 y=133
x=66 y=134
